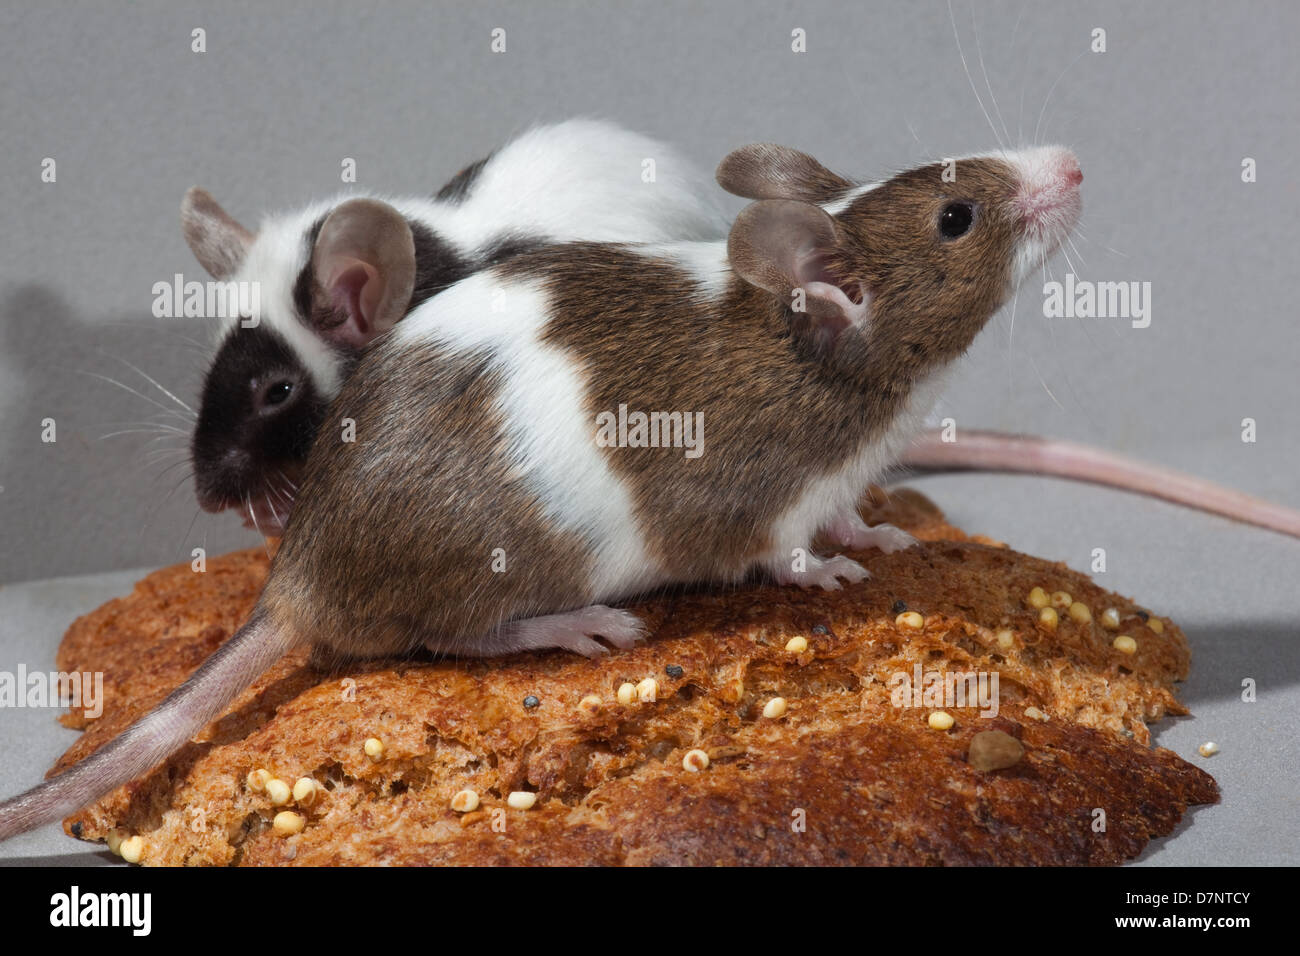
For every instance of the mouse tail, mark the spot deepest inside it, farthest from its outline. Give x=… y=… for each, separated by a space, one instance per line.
x=995 y=451
x=154 y=737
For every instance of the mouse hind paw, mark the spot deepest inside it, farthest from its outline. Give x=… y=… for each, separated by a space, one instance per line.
x=571 y=631
x=850 y=531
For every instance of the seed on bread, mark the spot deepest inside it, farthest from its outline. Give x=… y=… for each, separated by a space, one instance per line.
x=941 y=720
x=466 y=801
x=287 y=823
x=994 y=750
x=278 y=791
x=132 y=849
x=695 y=761
x=304 y=791
x=521 y=800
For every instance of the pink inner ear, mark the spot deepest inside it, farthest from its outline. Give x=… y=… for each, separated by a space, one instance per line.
x=355 y=290
x=849 y=297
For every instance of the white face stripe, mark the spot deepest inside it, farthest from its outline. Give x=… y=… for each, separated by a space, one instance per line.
x=276 y=257
x=847 y=200
x=550 y=433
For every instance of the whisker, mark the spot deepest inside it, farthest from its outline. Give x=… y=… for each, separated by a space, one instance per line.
x=978 y=99
x=138 y=394
x=1043 y=382
x=1075 y=248
x=143 y=431
x=1052 y=90
x=163 y=473
x=153 y=381
x=190 y=529
x=989 y=86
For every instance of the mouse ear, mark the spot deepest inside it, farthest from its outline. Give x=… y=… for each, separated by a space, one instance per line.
x=363 y=265
x=786 y=247
x=769 y=171
x=217 y=241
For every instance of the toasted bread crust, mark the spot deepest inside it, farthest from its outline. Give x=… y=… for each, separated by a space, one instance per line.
x=844 y=776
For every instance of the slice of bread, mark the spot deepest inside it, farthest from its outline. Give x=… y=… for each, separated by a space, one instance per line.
x=849 y=773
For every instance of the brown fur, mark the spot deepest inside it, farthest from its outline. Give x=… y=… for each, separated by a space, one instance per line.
x=930 y=296
x=777 y=415
x=385 y=553
x=771 y=171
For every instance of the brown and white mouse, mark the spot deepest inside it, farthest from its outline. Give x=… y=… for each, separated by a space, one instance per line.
x=333 y=276
x=589 y=421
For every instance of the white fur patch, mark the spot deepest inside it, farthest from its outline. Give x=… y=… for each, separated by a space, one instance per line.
x=581 y=179
x=551 y=434
x=826 y=497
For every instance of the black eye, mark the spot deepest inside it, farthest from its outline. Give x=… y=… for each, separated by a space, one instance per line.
x=278 y=392
x=955 y=219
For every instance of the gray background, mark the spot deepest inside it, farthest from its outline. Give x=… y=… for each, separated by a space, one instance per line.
x=1160 y=122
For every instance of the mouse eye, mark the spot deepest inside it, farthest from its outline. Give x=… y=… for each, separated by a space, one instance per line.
x=955 y=219
x=277 y=392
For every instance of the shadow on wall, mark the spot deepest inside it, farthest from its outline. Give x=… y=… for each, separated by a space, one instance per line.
x=111 y=490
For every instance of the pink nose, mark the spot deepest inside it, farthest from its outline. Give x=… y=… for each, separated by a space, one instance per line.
x=1075 y=175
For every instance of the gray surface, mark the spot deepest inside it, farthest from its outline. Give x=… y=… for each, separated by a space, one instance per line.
x=1160 y=123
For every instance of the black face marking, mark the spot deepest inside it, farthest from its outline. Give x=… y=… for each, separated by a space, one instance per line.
x=302 y=285
x=437 y=264
x=258 y=414
x=508 y=246
x=459 y=186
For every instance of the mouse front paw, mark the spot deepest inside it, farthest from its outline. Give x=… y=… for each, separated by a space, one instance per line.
x=809 y=571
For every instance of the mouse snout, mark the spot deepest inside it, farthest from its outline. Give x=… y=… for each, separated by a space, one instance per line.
x=219 y=477
x=1047 y=198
